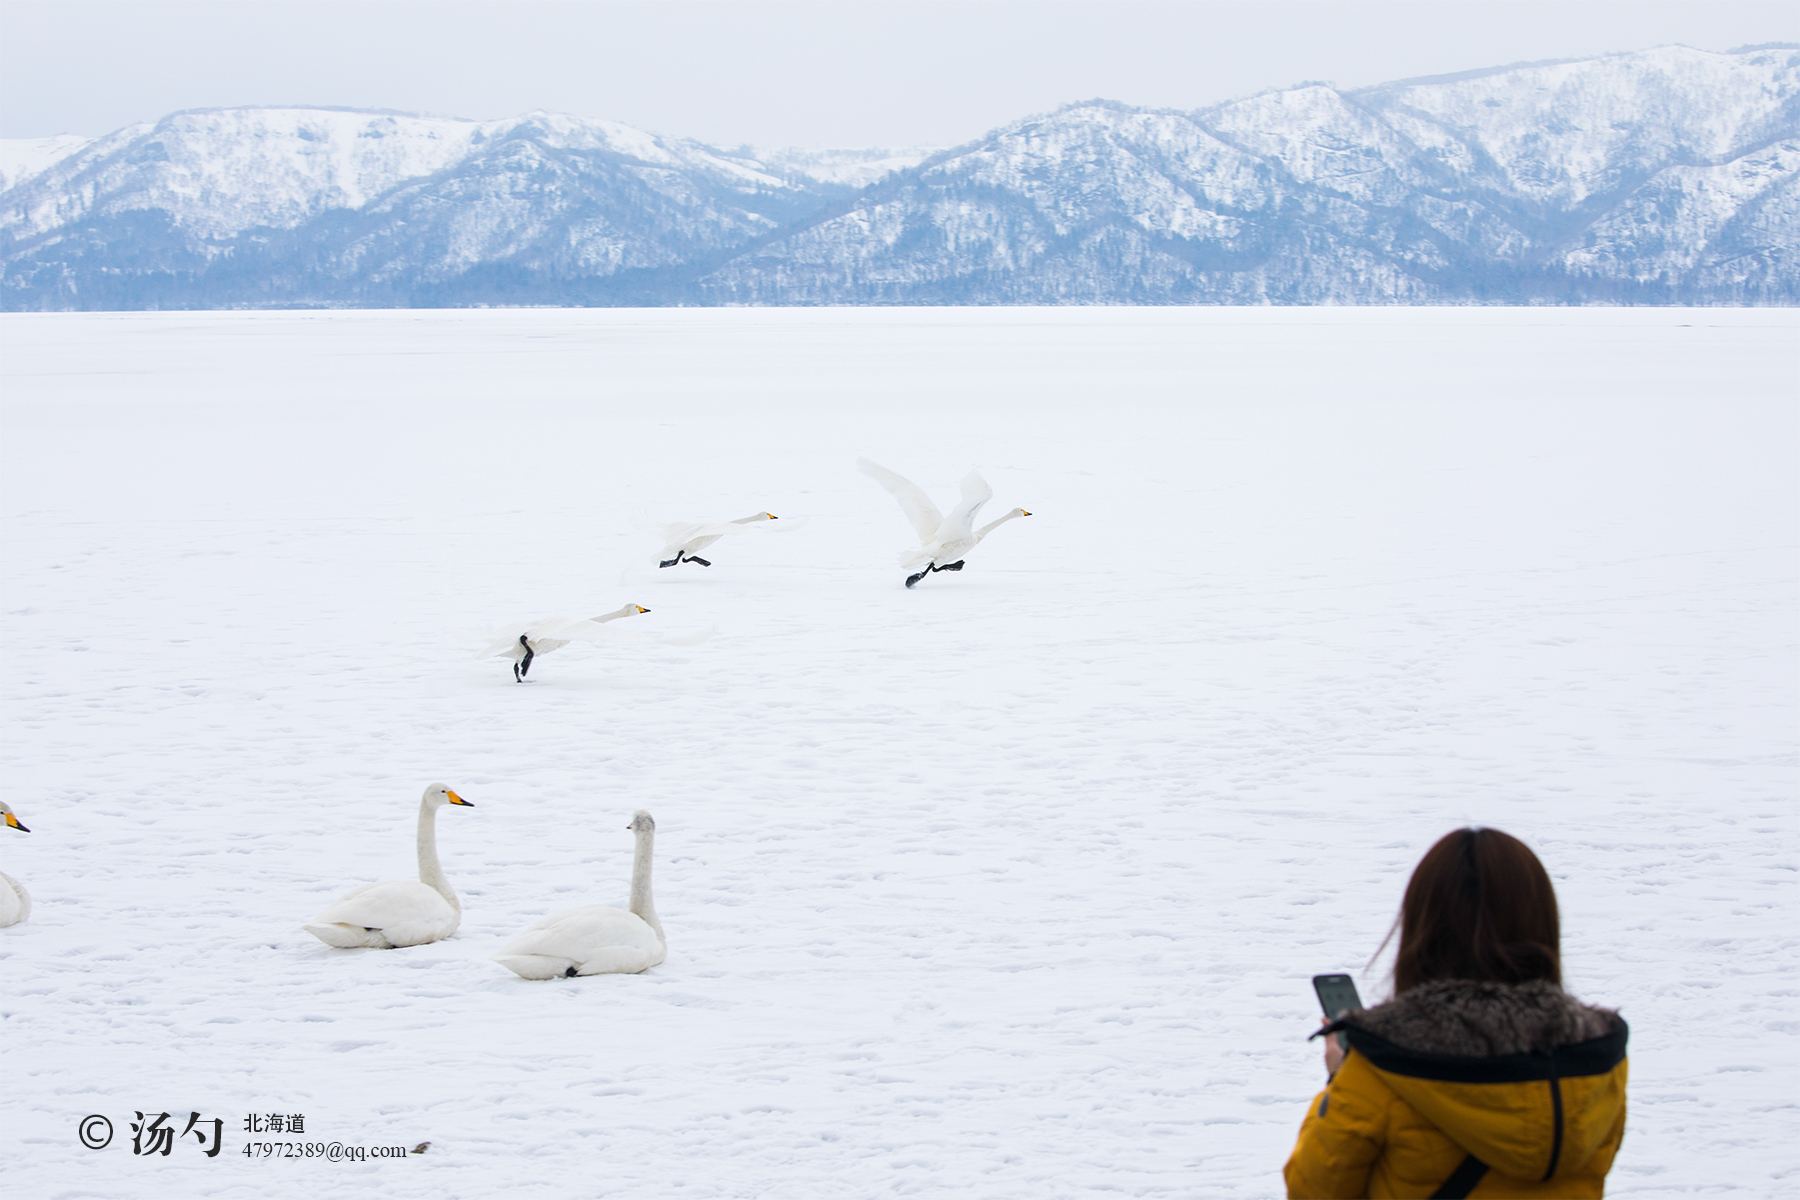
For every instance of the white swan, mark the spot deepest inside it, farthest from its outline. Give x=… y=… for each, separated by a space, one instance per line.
x=382 y=916
x=683 y=539
x=596 y=940
x=526 y=640
x=15 y=901
x=943 y=541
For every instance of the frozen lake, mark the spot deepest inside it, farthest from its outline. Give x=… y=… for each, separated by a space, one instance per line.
x=1006 y=886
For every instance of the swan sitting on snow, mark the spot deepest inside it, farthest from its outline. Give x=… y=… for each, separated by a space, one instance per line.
x=15 y=901
x=526 y=641
x=381 y=916
x=596 y=940
x=683 y=539
x=943 y=541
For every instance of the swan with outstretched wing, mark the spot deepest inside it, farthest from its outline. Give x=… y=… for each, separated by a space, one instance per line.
x=944 y=541
x=683 y=540
x=524 y=641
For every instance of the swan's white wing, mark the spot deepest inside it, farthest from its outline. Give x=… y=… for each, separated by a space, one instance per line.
x=958 y=525
x=917 y=506
x=572 y=629
x=681 y=535
x=504 y=641
x=690 y=530
x=387 y=905
x=662 y=529
x=579 y=932
x=556 y=631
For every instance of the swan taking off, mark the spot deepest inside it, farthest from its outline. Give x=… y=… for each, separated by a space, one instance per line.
x=683 y=539
x=15 y=901
x=381 y=916
x=596 y=940
x=944 y=541
x=526 y=641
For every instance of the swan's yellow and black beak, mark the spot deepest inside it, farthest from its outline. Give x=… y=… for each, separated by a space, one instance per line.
x=1025 y=513
x=772 y=516
x=640 y=608
x=456 y=799
x=12 y=822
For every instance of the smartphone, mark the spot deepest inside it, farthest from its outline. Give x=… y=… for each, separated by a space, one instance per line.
x=1337 y=996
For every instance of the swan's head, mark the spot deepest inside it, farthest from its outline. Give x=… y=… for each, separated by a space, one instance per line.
x=438 y=795
x=1018 y=512
x=641 y=822
x=12 y=822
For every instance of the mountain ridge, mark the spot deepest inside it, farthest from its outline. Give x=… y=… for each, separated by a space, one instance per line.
x=1659 y=176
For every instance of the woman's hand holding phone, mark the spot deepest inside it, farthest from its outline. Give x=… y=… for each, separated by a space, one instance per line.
x=1334 y=1053
x=1337 y=996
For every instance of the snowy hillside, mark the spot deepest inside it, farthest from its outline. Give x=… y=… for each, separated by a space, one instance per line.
x=1667 y=174
x=310 y=205
x=1660 y=176
x=25 y=158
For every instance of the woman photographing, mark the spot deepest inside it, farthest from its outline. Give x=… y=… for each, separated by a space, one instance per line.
x=1481 y=1077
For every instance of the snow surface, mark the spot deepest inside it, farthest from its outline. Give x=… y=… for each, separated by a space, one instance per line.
x=1007 y=886
x=23 y=158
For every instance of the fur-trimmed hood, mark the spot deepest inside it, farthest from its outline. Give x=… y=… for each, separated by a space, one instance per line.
x=1480 y=1020
x=1523 y=1077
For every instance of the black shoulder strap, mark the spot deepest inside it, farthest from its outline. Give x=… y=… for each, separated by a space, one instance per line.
x=1462 y=1181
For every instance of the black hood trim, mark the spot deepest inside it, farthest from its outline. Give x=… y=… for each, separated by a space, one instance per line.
x=1595 y=1056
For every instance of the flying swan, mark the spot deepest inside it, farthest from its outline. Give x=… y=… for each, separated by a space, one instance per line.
x=684 y=539
x=15 y=901
x=596 y=940
x=382 y=916
x=525 y=640
x=943 y=541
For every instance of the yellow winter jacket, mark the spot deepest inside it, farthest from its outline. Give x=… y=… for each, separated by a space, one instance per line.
x=1400 y=1122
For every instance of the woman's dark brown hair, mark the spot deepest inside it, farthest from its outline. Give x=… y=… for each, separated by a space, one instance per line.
x=1479 y=906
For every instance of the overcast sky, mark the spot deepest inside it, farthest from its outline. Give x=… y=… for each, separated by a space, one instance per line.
x=825 y=73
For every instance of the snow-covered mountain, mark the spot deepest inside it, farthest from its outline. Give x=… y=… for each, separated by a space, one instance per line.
x=1665 y=175
x=326 y=206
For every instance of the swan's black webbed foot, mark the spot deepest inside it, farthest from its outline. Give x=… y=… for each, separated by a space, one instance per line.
x=673 y=562
x=523 y=668
x=569 y=973
x=912 y=579
x=955 y=566
x=701 y=561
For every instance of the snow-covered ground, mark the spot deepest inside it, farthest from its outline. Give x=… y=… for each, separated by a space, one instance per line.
x=1007 y=886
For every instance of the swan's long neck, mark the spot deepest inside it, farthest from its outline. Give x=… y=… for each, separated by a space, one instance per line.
x=993 y=525
x=430 y=874
x=641 y=903
x=613 y=616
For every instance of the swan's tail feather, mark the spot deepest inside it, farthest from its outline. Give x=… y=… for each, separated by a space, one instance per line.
x=349 y=937
x=536 y=966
